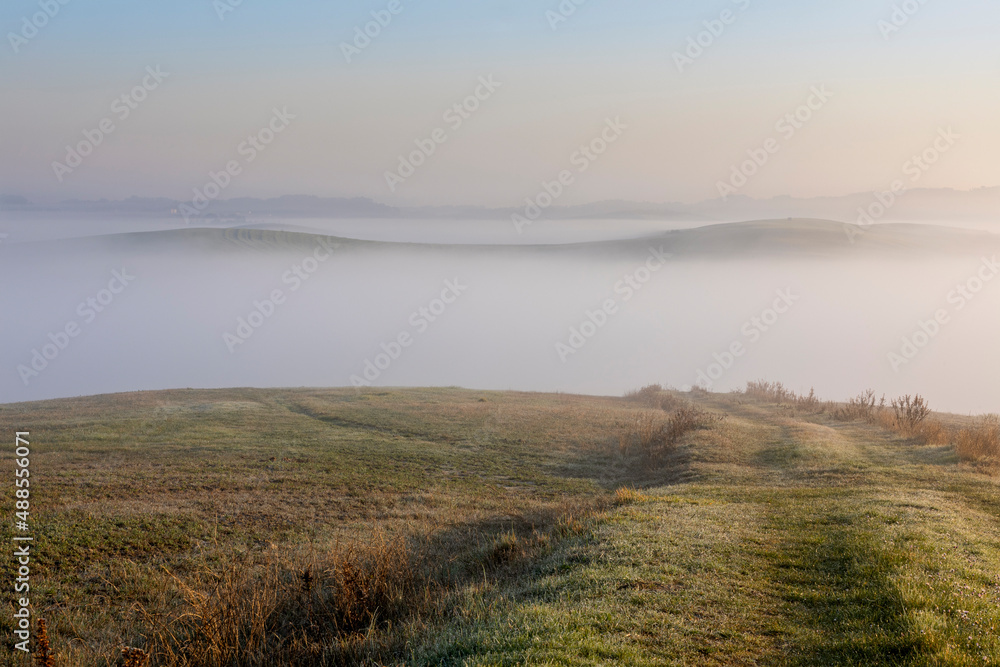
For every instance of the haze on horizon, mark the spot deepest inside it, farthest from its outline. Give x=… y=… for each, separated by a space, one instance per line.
x=556 y=84
x=566 y=102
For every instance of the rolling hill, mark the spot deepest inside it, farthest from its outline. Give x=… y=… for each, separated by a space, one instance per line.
x=456 y=527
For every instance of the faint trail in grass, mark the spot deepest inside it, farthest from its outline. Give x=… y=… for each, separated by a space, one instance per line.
x=342 y=422
x=843 y=607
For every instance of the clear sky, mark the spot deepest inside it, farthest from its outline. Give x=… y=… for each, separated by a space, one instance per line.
x=685 y=127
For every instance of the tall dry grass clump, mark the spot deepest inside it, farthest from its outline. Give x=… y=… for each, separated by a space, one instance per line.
x=43 y=648
x=776 y=392
x=981 y=441
x=355 y=603
x=293 y=612
x=651 y=436
x=772 y=392
x=629 y=495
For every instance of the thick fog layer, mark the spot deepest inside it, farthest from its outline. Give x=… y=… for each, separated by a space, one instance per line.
x=198 y=308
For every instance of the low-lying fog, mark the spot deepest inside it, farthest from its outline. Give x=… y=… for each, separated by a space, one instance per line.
x=43 y=226
x=197 y=308
x=25 y=227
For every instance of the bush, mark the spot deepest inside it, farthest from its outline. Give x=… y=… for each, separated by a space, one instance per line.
x=864 y=407
x=908 y=413
x=908 y=416
x=809 y=402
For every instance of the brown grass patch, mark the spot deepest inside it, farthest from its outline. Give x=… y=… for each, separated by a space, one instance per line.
x=271 y=608
x=907 y=415
x=651 y=436
x=776 y=392
x=863 y=407
x=981 y=441
x=353 y=603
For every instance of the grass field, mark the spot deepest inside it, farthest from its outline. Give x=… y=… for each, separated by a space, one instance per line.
x=458 y=527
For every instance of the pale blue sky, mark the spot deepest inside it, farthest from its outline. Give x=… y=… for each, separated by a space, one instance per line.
x=686 y=129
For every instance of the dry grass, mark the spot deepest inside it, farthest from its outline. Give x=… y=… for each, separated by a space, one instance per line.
x=863 y=407
x=341 y=606
x=279 y=610
x=771 y=392
x=133 y=657
x=776 y=392
x=374 y=521
x=652 y=436
x=654 y=396
x=907 y=415
x=43 y=648
x=628 y=495
x=298 y=526
x=981 y=441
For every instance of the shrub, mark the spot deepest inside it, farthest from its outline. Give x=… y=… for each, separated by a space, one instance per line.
x=908 y=416
x=908 y=413
x=772 y=392
x=809 y=402
x=864 y=407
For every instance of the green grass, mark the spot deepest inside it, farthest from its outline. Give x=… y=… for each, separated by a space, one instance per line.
x=838 y=545
x=777 y=536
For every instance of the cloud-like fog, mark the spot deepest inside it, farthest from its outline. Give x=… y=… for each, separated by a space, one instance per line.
x=177 y=309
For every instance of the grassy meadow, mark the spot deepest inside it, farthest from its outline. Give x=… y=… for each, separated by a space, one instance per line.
x=458 y=527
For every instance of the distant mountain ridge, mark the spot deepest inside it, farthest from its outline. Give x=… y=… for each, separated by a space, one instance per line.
x=864 y=208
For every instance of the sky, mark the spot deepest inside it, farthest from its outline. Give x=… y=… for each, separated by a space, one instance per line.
x=665 y=121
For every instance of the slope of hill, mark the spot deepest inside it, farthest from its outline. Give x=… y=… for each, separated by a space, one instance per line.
x=762 y=238
x=258 y=527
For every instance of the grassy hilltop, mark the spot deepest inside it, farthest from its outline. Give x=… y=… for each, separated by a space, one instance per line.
x=445 y=526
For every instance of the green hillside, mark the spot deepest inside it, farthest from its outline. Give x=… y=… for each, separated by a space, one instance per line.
x=446 y=526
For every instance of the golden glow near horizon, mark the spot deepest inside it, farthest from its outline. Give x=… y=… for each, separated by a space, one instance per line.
x=702 y=90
